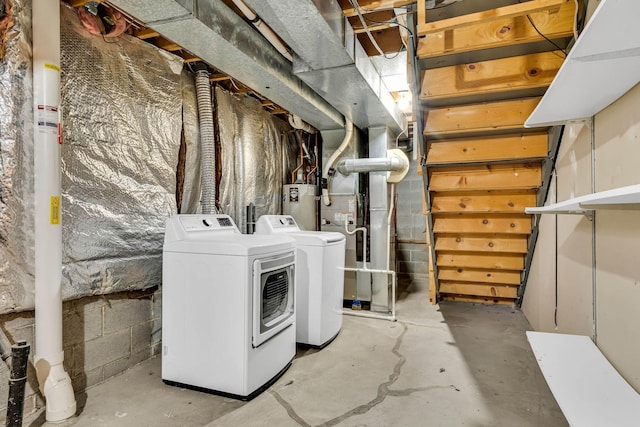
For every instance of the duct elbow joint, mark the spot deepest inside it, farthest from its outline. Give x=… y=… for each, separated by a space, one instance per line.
x=56 y=387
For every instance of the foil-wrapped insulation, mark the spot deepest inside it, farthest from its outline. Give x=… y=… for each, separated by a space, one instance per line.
x=16 y=164
x=191 y=188
x=122 y=114
x=258 y=153
x=207 y=142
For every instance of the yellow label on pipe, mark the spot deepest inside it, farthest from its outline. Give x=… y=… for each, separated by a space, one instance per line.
x=54 y=210
x=53 y=67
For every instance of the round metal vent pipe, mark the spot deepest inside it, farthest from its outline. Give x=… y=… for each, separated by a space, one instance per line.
x=396 y=163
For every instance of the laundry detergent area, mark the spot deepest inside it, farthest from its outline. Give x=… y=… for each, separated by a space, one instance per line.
x=257 y=295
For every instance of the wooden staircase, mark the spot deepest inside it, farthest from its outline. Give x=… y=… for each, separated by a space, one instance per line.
x=483 y=73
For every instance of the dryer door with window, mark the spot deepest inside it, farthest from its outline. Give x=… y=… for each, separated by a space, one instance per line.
x=273 y=296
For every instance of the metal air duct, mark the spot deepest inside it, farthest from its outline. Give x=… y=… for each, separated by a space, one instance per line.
x=329 y=58
x=213 y=32
x=396 y=163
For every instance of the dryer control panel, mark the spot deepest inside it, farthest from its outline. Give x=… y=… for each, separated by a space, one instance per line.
x=276 y=224
x=198 y=227
x=206 y=222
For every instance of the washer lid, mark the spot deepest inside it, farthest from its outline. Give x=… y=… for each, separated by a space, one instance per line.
x=286 y=225
x=317 y=238
x=233 y=245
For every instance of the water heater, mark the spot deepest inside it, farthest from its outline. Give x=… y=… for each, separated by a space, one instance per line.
x=299 y=201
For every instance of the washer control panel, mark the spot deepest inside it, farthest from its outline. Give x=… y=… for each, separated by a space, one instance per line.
x=277 y=223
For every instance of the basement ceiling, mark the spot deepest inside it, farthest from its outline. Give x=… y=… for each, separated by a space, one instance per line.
x=250 y=68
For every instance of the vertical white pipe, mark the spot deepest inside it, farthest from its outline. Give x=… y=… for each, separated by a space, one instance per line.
x=326 y=193
x=54 y=381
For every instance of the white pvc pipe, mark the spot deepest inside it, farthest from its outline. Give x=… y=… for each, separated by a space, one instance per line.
x=389 y=217
x=54 y=381
x=297 y=123
x=348 y=136
x=364 y=240
x=264 y=29
x=391 y=317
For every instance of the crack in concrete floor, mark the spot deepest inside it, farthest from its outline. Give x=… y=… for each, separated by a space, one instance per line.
x=383 y=391
x=292 y=412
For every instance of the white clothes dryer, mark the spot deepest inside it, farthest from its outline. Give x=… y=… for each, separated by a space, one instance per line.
x=319 y=278
x=228 y=306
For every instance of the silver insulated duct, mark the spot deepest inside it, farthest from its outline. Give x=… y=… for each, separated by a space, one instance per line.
x=382 y=164
x=207 y=143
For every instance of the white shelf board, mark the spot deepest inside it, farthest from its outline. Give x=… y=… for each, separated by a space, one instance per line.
x=618 y=198
x=586 y=386
x=602 y=66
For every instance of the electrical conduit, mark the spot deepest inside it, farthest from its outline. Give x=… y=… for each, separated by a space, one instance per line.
x=326 y=198
x=207 y=142
x=53 y=380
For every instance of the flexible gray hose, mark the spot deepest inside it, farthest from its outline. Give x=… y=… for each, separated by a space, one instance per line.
x=207 y=143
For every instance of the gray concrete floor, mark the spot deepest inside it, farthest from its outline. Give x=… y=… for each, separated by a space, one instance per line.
x=450 y=365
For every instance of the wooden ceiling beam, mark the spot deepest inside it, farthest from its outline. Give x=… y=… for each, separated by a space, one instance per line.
x=374 y=27
x=487 y=16
x=145 y=33
x=375 y=5
x=278 y=111
x=80 y=3
x=218 y=77
x=188 y=58
x=165 y=44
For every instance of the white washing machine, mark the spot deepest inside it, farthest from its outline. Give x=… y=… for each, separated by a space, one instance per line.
x=228 y=306
x=319 y=278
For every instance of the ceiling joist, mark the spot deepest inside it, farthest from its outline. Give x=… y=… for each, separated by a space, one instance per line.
x=367 y=6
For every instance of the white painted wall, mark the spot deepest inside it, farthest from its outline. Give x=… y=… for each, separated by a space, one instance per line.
x=617 y=242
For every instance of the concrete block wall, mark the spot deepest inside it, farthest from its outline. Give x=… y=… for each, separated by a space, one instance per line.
x=102 y=337
x=412 y=255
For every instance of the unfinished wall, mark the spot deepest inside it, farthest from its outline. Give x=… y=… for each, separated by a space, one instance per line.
x=103 y=336
x=411 y=223
x=616 y=241
x=121 y=114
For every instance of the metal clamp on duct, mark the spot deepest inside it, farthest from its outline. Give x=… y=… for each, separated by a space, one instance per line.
x=396 y=163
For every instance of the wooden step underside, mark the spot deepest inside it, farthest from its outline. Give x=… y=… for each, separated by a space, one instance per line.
x=482 y=223
x=478 y=289
x=507 y=77
x=480 y=260
x=482 y=201
x=488 y=149
x=486 y=177
x=487 y=244
x=498 y=33
x=482 y=118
